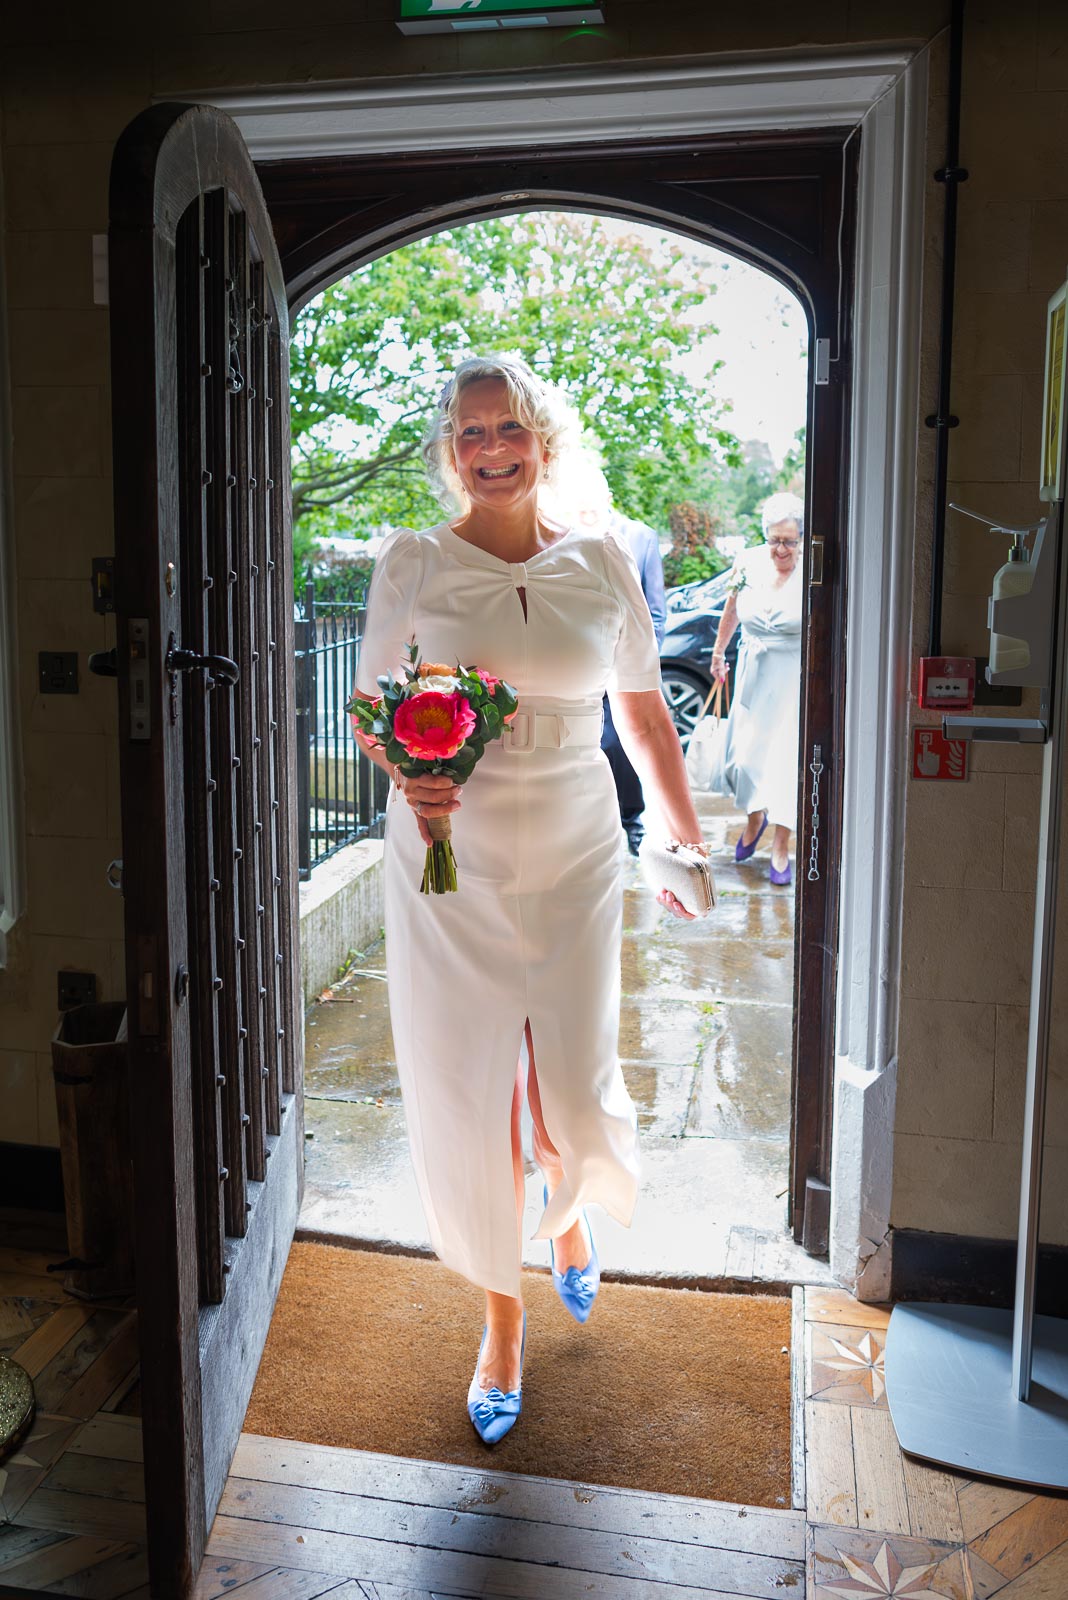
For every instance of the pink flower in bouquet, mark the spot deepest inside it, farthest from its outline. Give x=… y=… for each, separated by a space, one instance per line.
x=432 y=727
x=491 y=684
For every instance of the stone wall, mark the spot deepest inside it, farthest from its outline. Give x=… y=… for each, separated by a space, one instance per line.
x=341 y=913
x=970 y=854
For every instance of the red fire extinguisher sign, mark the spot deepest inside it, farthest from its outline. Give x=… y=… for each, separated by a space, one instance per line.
x=936 y=757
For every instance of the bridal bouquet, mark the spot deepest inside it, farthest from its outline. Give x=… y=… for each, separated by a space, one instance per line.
x=436 y=719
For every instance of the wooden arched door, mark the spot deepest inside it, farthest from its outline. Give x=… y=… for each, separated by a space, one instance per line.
x=204 y=611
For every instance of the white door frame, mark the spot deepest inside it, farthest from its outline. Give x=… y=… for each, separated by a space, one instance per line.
x=886 y=93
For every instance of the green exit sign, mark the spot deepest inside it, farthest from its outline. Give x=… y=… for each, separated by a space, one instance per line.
x=484 y=16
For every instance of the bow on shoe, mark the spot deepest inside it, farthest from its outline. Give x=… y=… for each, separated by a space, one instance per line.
x=578 y=1286
x=581 y=1290
x=492 y=1411
x=494 y=1404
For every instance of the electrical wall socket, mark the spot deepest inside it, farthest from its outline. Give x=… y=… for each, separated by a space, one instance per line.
x=76 y=989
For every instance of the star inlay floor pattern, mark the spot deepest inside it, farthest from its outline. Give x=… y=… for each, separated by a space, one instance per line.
x=883 y=1526
x=847 y=1366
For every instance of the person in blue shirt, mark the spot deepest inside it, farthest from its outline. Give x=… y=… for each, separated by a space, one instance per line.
x=589 y=503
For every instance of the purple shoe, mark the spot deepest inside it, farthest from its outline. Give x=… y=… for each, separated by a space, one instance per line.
x=742 y=852
x=781 y=878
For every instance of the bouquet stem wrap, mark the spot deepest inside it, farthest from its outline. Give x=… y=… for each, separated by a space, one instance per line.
x=439 y=870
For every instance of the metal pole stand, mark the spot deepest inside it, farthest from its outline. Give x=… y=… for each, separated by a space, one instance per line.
x=981 y=1390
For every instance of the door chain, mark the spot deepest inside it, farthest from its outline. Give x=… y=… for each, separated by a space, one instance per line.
x=816 y=768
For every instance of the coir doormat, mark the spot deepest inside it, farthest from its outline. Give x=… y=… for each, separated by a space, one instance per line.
x=668 y=1390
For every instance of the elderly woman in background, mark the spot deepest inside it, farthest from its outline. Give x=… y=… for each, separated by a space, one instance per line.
x=529 y=945
x=764 y=595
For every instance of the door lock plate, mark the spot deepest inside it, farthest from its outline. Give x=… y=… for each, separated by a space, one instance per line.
x=140 y=681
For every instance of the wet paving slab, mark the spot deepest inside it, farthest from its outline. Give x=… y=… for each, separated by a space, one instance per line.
x=659 y=1030
x=705 y=1046
x=662 y=1092
x=348 y=1044
x=688 y=1208
x=725 y=969
x=742 y=1088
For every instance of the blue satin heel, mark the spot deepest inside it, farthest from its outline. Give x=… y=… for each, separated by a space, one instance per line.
x=492 y=1413
x=578 y=1286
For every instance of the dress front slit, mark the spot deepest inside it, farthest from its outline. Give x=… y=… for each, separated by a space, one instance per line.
x=533 y=933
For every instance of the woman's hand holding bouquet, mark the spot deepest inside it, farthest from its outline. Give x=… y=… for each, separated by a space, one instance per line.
x=434 y=724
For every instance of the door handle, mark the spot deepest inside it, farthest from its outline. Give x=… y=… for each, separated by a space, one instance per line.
x=188 y=660
x=104 y=663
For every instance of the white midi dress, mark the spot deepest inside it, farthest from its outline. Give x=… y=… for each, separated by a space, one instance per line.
x=535 y=928
x=760 y=752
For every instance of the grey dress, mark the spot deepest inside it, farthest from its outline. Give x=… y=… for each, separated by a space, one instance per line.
x=760 y=756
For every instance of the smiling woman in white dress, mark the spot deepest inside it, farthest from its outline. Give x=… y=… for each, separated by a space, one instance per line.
x=765 y=596
x=530 y=944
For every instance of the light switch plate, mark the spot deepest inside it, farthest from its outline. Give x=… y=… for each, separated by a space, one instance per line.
x=57 y=671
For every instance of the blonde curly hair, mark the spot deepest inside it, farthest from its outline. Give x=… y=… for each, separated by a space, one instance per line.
x=538 y=405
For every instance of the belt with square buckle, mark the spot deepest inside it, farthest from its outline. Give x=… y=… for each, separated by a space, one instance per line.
x=531 y=729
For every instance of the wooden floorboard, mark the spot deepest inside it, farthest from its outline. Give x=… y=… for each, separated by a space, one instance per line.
x=289 y=1584
x=98 y=1475
x=17 y=1285
x=49 y=1339
x=635 y=1554
x=29 y=1258
x=301 y=1521
x=17 y=1542
x=122 y=1574
x=116 y=1438
x=548 y=1501
x=880 y=1477
x=116 y=1361
x=835 y=1305
x=221 y=1575
x=453 y=1572
x=84 y=1513
x=64 y=1559
x=934 y=1510
x=830 y=1472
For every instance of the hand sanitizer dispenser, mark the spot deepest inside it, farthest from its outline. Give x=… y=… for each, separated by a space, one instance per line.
x=1008 y=654
x=1020 y=610
x=1020 y=618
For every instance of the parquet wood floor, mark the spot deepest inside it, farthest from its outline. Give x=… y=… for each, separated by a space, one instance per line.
x=300 y=1521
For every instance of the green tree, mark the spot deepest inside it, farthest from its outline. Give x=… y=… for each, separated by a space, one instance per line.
x=605 y=314
x=725 y=498
x=791 y=475
x=693 y=554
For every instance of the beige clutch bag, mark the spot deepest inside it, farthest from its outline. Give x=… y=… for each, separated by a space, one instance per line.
x=686 y=872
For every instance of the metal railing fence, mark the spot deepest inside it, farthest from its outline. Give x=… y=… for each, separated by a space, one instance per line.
x=341 y=795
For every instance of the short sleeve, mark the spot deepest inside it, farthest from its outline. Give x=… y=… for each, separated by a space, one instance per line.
x=390 y=610
x=636 y=664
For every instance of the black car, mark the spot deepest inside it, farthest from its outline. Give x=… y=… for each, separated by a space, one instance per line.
x=693 y=617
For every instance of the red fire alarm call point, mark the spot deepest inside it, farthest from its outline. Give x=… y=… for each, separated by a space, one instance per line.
x=947 y=681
